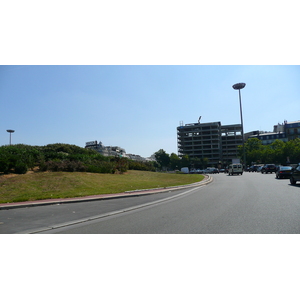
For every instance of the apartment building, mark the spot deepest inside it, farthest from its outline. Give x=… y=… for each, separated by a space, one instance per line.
x=292 y=129
x=285 y=132
x=106 y=150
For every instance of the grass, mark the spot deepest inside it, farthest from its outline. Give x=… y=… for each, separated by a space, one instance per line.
x=50 y=185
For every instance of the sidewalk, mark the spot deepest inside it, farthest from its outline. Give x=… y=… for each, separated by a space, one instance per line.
x=208 y=179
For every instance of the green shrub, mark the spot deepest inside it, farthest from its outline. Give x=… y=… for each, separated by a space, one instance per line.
x=102 y=167
x=141 y=165
x=21 y=168
x=74 y=166
x=4 y=166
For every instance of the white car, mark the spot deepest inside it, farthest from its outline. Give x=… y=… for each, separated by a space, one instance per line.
x=235 y=169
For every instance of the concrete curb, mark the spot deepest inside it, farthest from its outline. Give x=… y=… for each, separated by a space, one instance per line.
x=208 y=179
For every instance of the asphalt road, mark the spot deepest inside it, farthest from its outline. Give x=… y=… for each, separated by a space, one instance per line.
x=252 y=203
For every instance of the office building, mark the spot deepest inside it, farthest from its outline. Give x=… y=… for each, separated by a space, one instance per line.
x=217 y=143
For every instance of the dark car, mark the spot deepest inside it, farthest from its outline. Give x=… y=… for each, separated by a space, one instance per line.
x=253 y=168
x=284 y=172
x=295 y=176
x=269 y=168
x=215 y=171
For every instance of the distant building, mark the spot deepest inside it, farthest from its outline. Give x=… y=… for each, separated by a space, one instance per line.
x=269 y=137
x=292 y=129
x=106 y=150
x=285 y=132
x=135 y=157
x=217 y=143
x=113 y=151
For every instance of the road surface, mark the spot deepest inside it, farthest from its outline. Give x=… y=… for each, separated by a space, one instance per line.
x=253 y=203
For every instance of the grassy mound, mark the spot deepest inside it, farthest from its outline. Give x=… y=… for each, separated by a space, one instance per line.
x=50 y=185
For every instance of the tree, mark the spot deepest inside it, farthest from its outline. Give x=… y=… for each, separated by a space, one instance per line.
x=198 y=163
x=292 y=150
x=278 y=152
x=162 y=158
x=253 y=144
x=185 y=161
x=204 y=162
x=174 y=161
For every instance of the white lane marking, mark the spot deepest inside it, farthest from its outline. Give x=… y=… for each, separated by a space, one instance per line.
x=109 y=214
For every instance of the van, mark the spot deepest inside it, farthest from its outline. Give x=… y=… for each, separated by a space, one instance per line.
x=185 y=170
x=235 y=169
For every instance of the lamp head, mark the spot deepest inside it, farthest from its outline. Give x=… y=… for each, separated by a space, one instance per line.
x=239 y=86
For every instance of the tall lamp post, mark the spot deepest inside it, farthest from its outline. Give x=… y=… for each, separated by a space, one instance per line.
x=239 y=86
x=10 y=132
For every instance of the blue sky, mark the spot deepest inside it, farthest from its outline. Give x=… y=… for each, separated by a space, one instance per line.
x=127 y=73
x=138 y=107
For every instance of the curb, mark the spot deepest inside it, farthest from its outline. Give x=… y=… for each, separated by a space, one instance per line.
x=134 y=193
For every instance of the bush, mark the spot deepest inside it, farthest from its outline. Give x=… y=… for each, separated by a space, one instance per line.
x=64 y=157
x=121 y=164
x=4 y=166
x=75 y=166
x=21 y=168
x=62 y=165
x=102 y=167
x=140 y=165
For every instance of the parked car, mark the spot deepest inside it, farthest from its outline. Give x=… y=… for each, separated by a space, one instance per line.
x=284 y=172
x=215 y=171
x=251 y=169
x=269 y=168
x=258 y=168
x=254 y=168
x=211 y=171
x=295 y=176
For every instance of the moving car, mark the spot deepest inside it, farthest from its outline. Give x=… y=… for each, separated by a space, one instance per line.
x=269 y=168
x=235 y=169
x=295 y=176
x=284 y=172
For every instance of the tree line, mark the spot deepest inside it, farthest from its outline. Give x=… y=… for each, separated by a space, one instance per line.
x=278 y=152
x=172 y=161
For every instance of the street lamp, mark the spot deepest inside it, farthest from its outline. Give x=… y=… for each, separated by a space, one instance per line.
x=239 y=86
x=10 y=132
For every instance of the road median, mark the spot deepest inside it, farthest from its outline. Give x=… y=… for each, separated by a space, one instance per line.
x=133 y=193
